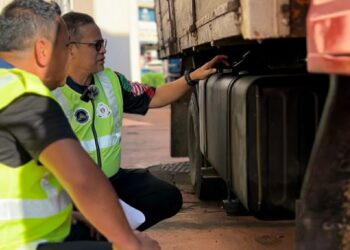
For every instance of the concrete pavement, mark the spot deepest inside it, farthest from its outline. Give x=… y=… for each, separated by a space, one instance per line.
x=146 y=139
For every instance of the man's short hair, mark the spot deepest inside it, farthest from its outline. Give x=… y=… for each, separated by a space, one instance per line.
x=75 y=20
x=22 y=21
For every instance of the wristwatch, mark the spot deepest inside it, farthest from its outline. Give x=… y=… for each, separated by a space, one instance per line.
x=188 y=79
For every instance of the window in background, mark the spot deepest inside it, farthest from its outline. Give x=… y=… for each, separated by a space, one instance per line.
x=147 y=15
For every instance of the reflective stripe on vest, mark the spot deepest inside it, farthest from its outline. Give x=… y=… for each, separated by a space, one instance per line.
x=108 y=89
x=62 y=100
x=103 y=141
x=7 y=80
x=14 y=209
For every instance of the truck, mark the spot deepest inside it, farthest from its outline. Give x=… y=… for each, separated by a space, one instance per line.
x=269 y=134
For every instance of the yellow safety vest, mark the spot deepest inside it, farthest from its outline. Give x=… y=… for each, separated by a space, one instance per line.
x=101 y=132
x=34 y=207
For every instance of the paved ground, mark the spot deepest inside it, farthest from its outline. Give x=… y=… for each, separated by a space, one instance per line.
x=146 y=139
x=200 y=225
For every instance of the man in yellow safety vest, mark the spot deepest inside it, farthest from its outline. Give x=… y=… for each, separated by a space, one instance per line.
x=40 y=156
x=94 y=100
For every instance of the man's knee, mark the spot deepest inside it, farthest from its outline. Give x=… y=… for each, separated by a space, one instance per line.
x=175 y=197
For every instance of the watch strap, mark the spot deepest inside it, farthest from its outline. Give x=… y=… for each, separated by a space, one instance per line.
x=188 y=79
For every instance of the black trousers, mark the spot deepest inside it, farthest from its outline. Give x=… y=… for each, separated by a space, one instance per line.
x=156 y=198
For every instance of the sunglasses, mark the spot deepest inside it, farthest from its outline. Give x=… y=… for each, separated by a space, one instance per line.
x=98 y=44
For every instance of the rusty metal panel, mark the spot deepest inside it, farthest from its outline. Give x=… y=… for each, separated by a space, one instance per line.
x=264 y=19
x=298 y=12
x=329 y=37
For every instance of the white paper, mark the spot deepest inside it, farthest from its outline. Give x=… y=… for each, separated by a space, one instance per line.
x=135 y=217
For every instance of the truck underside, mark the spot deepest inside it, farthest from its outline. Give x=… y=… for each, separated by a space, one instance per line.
x=251 y=127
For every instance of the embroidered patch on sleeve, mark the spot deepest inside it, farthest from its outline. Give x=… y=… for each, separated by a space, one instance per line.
x=138 y=89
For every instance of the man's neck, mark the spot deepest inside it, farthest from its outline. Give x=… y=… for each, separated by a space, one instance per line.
x=81 y=78
x=21 y=60
x=17 y=60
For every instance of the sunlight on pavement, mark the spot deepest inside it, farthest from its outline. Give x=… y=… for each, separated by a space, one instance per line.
x=129 y=122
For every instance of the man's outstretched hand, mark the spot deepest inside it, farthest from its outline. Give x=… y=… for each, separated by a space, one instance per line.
x=208 y=68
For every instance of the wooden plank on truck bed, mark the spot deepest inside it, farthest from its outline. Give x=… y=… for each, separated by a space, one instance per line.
x=166 y=28
x=205 y=7
x=206 y=22
x=213 y=31
x=197 y=13
x=196 y=22
x=184 y=15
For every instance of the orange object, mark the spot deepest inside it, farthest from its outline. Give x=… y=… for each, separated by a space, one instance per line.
x=328 y=37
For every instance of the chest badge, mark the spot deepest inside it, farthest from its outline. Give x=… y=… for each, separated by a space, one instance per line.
x=103 y=111
x=81 y=115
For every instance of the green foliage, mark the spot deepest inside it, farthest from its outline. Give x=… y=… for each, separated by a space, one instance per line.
x=153 y=79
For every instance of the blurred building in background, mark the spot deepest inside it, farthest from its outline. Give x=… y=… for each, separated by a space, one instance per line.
x=130 y=28
x=118 y=20
x=148 y=37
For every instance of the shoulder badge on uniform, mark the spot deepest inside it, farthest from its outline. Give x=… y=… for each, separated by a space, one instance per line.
x=81 y=115
x=103 y=111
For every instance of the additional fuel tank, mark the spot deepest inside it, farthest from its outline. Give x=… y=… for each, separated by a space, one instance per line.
x=258 y=131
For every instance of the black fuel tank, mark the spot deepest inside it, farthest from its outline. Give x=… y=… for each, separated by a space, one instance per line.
x=258 y=132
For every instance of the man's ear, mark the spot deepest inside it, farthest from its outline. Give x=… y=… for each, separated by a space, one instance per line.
x=71 y=50
x=42 y=52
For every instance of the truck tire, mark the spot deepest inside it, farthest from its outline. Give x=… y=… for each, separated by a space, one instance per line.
x=206 y=183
